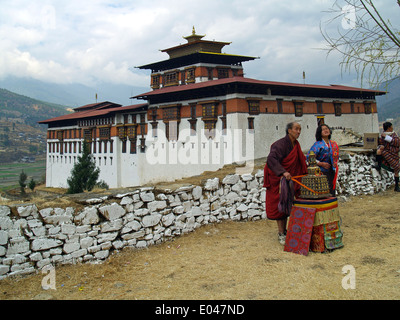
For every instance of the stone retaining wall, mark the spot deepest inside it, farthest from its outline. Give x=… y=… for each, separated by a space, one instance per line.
x=31 y=239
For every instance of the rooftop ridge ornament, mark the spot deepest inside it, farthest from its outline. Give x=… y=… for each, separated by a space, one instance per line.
x=193 y=37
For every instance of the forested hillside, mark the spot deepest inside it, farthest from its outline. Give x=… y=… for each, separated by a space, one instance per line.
x=21 y=109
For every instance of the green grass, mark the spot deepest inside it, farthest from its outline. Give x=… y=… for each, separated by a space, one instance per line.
x=9 y=173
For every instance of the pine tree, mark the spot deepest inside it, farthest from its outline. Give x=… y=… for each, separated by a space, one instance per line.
x=32 y=184
x=22 y=181
x=84 y=174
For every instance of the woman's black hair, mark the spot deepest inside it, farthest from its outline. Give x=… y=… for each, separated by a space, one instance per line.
x=318 y=133
x=386 y=126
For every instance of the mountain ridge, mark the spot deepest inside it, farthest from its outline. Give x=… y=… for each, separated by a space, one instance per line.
x=72 y=95
x=389 y=104
x=23 y=109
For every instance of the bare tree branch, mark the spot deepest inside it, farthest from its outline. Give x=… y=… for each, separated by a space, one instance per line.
x=368 y=43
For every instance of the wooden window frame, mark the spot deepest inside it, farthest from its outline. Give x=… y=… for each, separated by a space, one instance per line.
x=279 y=105
x=223 y=73
x=338 y=108
x=155 y=81
x=171 y=78
x=367 y=107
x=254 y=107
x=298 y=108
x=250 y=121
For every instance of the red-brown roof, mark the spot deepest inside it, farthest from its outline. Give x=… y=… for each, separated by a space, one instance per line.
x=101 y=110
x=98 y=105
x=249 y=81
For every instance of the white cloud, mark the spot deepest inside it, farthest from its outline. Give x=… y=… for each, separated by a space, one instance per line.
x=91 y=41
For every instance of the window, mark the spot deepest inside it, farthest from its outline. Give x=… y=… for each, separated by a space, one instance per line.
x=279 y=104
x=367 y=108
x=351 y=106
x=171 y=113
x=183 y=77
x=193 y=110
x=210 y=117
x=171 y=79
x=131 y=132
x=154 y=130
x=121 y=133
x=254 y=107
x=223 y=118
x=155 y=81
x=210 y=111
x=210 y=73
x=223 y=73
x=142 y=145
x=193 y=120
x=171 y=130
x=298 y=109
x=338 y=109
x=153 y=114
x=319 y=107
x=251 y=124
x=60 y=135
x=190 y=75
x=171 y=118
x=87 y=135
x=133 y=146
x=104 y=133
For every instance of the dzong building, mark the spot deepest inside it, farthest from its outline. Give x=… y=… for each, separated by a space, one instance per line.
x=200 y=114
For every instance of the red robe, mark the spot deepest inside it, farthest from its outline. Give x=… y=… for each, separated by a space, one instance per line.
x=283 y=157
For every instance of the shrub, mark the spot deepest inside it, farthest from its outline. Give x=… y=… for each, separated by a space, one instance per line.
x=22 y=181
x=84 y=174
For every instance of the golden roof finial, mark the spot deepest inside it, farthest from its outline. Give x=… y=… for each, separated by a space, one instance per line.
x=193 y=36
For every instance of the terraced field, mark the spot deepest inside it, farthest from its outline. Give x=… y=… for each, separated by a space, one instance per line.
x=9 y=173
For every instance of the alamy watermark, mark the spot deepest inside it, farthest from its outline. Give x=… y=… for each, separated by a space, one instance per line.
x=349 y=17
x=47 y=17
x=210 y=147
x=49 y=281
x=349 y=279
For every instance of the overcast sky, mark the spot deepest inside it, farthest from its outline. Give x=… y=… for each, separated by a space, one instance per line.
x=86 y=41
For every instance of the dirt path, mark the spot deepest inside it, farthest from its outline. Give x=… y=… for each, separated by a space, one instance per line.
x=241 y=260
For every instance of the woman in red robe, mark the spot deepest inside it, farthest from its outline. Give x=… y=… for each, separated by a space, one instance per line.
x=285 y=160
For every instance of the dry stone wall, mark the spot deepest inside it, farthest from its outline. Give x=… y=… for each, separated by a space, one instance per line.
x=31 y=239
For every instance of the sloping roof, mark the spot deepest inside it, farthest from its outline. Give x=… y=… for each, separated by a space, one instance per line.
x=197 y=57
x=98 y=105
x=93 y=111
x=244 y=80
x=218 y=44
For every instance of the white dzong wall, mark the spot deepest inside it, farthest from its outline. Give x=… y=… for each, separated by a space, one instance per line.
x=193 y=154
